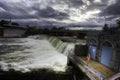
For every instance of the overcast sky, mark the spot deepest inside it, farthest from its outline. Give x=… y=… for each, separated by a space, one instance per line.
x=61 y=12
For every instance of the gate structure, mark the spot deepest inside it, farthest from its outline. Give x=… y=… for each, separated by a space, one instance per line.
x=106 y=54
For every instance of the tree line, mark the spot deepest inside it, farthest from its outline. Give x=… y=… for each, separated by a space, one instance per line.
x=5 y=22
x=107 y=28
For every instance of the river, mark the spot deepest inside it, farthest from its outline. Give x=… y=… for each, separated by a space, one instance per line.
x=35 y=56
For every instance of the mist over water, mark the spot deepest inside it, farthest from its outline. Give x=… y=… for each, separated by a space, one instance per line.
x=32 y=53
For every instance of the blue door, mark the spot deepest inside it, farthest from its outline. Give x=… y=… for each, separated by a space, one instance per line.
x=119 y=68
x=92 y=51
x=106 y=55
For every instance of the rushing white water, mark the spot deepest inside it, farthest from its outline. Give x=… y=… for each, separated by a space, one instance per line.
x=62 y=47
x=32 y=53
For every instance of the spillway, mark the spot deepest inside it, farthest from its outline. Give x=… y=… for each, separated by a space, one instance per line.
x=63 y=47
x=34 y=52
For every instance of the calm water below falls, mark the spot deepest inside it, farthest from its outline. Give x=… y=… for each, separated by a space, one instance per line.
x=34 y=58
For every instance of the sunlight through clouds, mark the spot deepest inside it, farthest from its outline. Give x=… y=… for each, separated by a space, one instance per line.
x=97 y=1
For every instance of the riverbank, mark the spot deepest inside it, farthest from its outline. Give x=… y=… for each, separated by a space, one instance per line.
x=41 y=74
x=36 y=59
x=71 y=73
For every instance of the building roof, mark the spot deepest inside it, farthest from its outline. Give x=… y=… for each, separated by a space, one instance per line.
x=13 y=27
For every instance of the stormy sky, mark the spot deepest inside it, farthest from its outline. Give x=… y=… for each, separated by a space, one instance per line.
x=61 y=12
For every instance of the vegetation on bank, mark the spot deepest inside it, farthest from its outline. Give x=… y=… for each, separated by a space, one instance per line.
x=41 y=74
x=32 y=30
x=44 y=74
x=107 y=28
x=5 y=22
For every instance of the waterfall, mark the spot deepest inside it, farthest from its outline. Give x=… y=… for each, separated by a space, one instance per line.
x=62 y=47
x=34 y=52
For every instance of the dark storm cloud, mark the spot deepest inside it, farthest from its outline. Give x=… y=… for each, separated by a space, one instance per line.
x=113 y=9
x=91 y=6
x=7 y=15
x=10 y=8
x=111 y=12
x=49 y=12
x=15 y=15
x=95 y=5
x=71 y=3
x=22 y=12
x=75 y=3
x=14 y=11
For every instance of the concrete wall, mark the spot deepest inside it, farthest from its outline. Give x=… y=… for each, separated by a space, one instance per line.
x=81 y=50
x=114 y=40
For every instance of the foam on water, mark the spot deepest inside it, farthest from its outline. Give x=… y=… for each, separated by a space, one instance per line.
x=38 y=54
x=62 y=47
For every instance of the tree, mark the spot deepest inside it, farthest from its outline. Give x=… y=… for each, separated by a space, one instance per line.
x=54 y=28
x=61 y=28
x=3 y=22
x=14 y=23
x=31 y=30
x=105 y=28
x=118 y=23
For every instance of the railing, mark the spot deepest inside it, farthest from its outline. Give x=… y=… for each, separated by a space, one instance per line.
x=83 y=66
x=114 y=77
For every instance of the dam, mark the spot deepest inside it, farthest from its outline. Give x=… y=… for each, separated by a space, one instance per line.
x=40 y=56
x=99 y=59
x=52 y=53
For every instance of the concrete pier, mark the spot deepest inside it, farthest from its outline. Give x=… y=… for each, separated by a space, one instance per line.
x=99 y=72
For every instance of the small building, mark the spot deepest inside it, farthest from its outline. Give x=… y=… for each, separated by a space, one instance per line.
x=12 y=31
x=104 y=47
